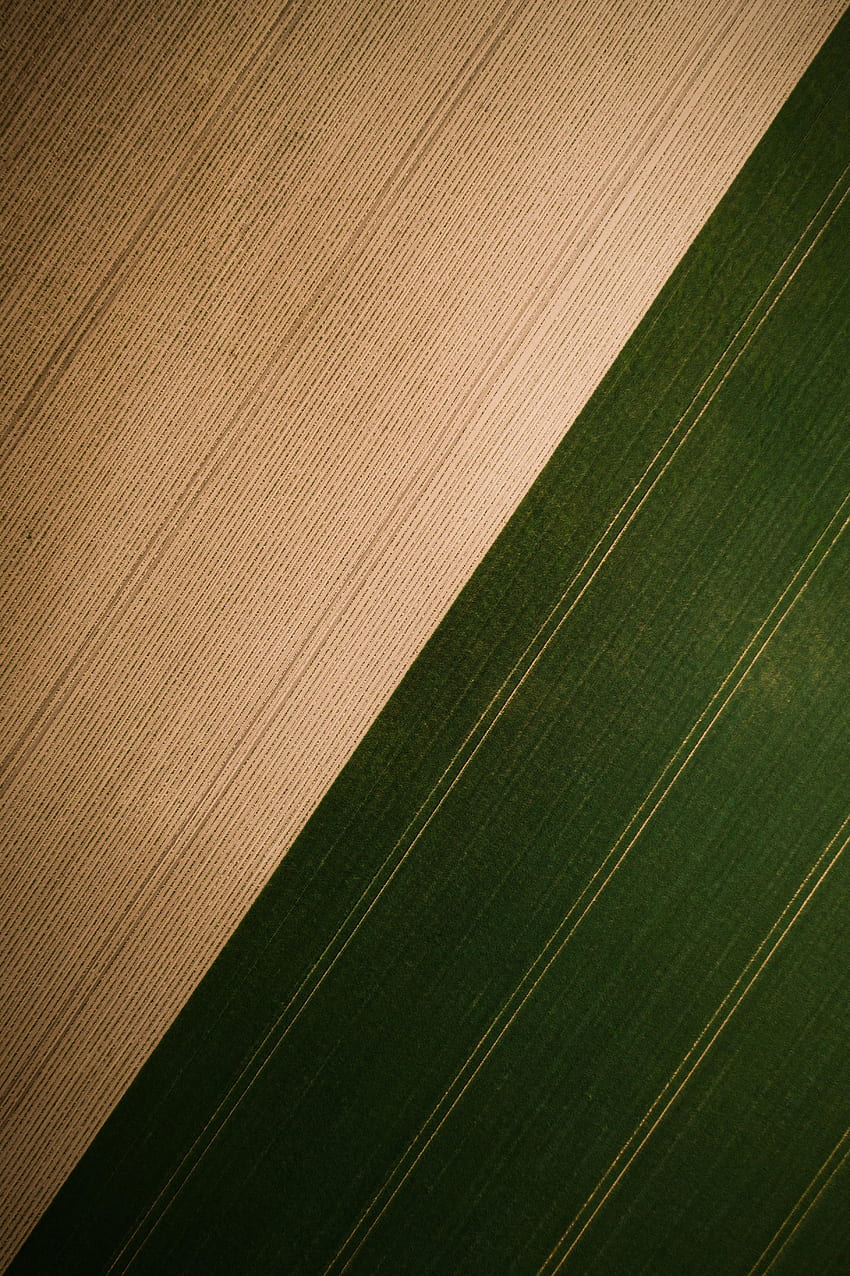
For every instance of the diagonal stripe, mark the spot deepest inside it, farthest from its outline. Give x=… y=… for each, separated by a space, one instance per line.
x=513 y=682
x=654 y=1115
x=204 y=474
x=561 y=937
x=123 y=959
x=803 y=1207
x=382 y=879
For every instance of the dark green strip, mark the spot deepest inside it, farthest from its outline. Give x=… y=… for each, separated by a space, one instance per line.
x=339 y=1085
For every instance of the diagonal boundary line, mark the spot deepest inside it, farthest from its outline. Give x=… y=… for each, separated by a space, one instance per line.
x=536 y=308
x=579 y=909
x=662 y=1104
x=529 y=320
x=801 y=1217
x=41 y=719
x=610 y=854
x=588 y=561
x=304 y=986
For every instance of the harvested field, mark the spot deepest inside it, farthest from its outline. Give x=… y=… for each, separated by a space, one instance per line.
x=302 y=299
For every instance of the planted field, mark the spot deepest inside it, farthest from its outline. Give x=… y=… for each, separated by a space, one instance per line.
x=300 y=298
x=556 y=978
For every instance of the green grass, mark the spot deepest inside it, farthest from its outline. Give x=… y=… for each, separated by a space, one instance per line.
x=321 y=1067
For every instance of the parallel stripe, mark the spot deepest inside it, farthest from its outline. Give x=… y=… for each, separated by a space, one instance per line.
x=638 y=1140
x=334 y=950
x=202 y=807
x=786 y=1231
x=204 y=473
x=565 y=931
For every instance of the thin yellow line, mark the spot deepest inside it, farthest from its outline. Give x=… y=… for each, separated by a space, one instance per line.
x=558 y=934
x=317 y=966
x=812 y=1203
x=652 y=1111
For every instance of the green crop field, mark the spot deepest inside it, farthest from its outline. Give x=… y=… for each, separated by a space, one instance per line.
x=556 y=978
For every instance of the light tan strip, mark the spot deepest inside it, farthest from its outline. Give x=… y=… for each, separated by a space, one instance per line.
x=215 y=161
x=795 y=1220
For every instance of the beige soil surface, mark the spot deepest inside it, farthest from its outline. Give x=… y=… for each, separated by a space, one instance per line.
x=299 y=300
